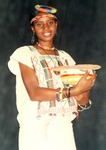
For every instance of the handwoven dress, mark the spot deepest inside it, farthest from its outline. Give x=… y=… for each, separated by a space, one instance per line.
x=43 y=125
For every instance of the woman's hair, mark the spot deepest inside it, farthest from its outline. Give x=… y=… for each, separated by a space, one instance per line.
x=32 y=14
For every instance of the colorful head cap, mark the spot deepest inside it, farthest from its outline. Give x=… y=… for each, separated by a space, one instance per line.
x=47 y=9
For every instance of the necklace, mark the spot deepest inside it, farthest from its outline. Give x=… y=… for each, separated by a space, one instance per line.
x=45 y=48
x=54 y=59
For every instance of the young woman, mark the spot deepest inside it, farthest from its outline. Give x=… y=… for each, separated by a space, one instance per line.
x=45 y=107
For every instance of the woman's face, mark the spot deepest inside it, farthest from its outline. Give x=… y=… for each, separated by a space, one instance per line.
x=45 y=27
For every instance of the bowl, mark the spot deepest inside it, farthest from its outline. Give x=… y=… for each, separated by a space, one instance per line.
x=72 y=76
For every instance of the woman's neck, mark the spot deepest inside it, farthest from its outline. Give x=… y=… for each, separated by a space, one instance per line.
x=46 y=45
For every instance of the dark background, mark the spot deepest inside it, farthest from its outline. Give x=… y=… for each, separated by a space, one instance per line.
x=82 y=33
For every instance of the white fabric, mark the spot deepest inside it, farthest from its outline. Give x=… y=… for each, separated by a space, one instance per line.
x=54 y=132
x=47 y=133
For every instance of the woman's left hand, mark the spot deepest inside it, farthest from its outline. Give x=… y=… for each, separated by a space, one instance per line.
x=83 y=99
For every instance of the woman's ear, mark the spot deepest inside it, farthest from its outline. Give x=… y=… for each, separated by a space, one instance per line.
x=32 y=28
x=56 y=23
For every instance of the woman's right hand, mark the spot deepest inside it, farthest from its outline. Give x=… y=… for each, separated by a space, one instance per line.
x=85 y=84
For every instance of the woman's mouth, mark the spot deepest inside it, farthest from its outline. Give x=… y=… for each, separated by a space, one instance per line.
x=47 y=34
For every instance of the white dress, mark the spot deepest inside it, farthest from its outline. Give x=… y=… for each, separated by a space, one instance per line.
x=45 y=125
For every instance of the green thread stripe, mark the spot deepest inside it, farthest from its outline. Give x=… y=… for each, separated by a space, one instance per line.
x=59 y=63
x=48 y=77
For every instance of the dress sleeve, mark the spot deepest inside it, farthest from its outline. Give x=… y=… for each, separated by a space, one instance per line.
x=69 y=60
x=22 y=55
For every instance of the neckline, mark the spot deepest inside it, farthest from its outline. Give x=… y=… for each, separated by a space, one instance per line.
x=44 y=47
x=45 y=53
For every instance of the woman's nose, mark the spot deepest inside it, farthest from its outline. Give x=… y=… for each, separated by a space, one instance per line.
x=45 y=26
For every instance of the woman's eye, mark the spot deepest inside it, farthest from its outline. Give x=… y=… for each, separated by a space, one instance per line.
x=39 y=24
x=51 y=22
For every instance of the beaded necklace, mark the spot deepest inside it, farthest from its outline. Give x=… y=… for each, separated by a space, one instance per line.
x=44 y=47
x=48 y=49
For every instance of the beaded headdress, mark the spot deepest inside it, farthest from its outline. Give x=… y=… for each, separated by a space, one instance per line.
x=47 y=9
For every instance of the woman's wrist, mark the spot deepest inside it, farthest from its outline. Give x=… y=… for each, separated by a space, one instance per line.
x=74 y=91
x=85 y=107
x=63 y=93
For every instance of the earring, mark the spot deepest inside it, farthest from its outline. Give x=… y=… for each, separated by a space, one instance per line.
x=33 y=38
x=56 y=36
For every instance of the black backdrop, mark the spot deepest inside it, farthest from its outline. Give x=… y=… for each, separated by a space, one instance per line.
x=82 y=33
